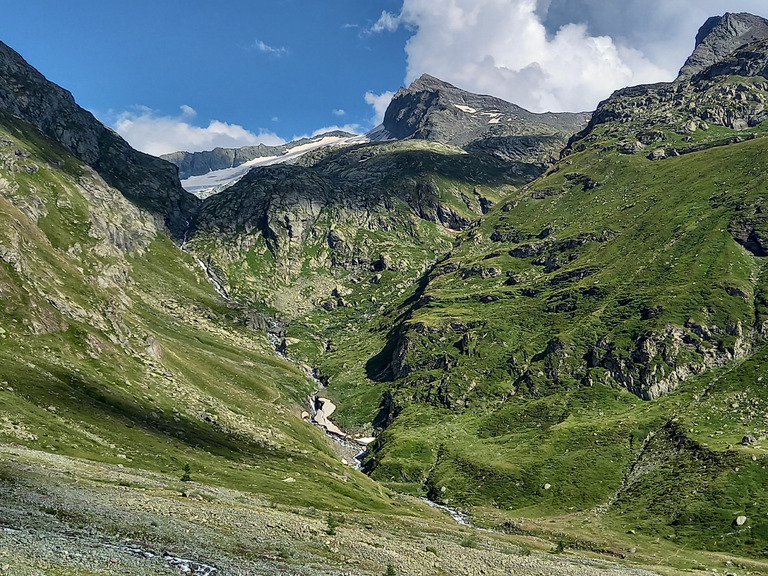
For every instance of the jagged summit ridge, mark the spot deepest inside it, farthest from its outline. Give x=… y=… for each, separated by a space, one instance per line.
x=199 y=163
x=720 y=36
x=432 y=109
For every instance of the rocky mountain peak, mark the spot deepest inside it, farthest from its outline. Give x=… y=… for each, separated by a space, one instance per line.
x=432 y=109
x=721 y=35
x=428 y=82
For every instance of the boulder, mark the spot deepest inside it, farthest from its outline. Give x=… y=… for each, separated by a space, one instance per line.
x=748 y=440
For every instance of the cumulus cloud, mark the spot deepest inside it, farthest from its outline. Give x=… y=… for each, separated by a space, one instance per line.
x=379 y=102
x=502 y=47
x=663 y=31
x=387 y=22
x=267 y=49
x=339 y=112
x=150 y=132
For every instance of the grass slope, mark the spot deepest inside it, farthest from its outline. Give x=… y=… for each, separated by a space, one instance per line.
x=115 y=347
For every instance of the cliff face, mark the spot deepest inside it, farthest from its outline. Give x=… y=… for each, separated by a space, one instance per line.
x=430 y=109
x=721 y=35
x=150 y=182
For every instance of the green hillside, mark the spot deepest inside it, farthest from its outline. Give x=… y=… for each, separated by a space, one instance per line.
x=595 y=342
x=115 y=346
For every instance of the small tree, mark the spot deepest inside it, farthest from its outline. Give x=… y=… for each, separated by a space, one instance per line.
x=186 y=477
x=390 y=571
x=333 y=523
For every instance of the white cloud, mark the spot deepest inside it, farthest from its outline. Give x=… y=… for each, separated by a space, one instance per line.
x=501 y=47
x=267 y=49
x=387 y=22
x=379 y=103
x=339 y=112
x=664 y=31
x=155 y=134
x=351 y=128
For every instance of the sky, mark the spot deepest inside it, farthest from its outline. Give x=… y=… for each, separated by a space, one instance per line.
x=191 y=75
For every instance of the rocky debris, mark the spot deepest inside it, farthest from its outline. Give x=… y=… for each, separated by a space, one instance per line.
x=740 y=520
x=748 y=440
x=91 y=504
x=719 y=37
x=150 y=182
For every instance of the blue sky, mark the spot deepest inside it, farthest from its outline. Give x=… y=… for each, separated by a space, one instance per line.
x=171 y=74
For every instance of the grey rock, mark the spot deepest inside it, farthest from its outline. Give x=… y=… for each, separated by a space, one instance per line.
x=748 y=440
x=430 y=109
x=630 y=147
x=721 y=35
x=150 y=182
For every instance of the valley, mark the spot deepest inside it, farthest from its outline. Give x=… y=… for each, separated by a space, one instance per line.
x=549 y=326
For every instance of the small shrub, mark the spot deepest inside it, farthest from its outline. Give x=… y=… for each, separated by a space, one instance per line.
x=333 y=523
x=185 y=477
x=390 y=571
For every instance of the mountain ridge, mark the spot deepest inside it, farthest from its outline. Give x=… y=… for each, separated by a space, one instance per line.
x=151 y=182
x=573 y=348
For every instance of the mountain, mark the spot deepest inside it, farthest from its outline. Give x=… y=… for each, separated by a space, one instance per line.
x=430 y=109
x=288 y=236
x=149 y=181
x=569 y=349
x=721 y=35
x=207 y=173
x=591 y=348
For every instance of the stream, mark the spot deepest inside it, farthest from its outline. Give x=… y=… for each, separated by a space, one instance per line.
x=320 y=408
x=183 y=564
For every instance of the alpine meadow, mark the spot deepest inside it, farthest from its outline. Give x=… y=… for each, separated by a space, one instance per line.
x=474 y=340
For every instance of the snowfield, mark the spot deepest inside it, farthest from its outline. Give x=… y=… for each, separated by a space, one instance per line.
x=217 y=180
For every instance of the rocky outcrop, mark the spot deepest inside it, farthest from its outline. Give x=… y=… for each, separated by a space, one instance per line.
x=721 y=35
x=430 y=109
x=150 y=182
x=661 y=361
x=646 y=115
x=281 y=202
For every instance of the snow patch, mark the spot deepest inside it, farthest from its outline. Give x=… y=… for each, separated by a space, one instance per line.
x=215 y=181
x=467 y=109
